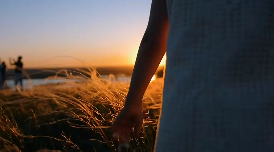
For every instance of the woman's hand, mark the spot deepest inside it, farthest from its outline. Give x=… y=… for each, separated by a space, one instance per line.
x=130 y=117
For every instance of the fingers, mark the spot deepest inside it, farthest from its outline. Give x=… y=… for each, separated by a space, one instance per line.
x=124 y=138
x=122 y=127
x=114 y=131
x=123 y=147
x=122 y=134
x=116 y=126
x=138 y=127
x=115 y=136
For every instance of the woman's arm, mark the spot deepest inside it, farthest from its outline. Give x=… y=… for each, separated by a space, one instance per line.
x=151 y=51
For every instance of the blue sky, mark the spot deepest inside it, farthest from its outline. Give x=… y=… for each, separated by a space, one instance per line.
x=51 y=32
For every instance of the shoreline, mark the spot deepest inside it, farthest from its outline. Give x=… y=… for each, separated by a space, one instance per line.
x=84 y=72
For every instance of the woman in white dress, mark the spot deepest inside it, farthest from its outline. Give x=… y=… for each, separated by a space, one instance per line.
x=219 y=79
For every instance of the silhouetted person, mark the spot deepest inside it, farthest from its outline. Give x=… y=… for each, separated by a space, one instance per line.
x=18 y=72
x=3 y=74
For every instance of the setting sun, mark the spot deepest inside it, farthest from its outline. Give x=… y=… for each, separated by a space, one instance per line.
x=153 y=78
x=163 y=62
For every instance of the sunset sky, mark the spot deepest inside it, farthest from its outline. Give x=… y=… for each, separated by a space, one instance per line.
x=62 y=33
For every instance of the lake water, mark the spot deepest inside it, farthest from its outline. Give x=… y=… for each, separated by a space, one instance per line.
x=28 y=83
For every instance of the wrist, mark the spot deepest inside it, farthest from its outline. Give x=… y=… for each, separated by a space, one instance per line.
x=133 y=101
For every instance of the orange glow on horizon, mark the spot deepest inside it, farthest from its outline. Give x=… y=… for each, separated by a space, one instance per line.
x=134 y=56
x=85 y=56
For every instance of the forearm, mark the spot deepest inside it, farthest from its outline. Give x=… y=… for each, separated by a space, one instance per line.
x=149 y=56
x=151 y=52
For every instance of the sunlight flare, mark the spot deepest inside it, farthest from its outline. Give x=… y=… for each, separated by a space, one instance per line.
x=153 y=78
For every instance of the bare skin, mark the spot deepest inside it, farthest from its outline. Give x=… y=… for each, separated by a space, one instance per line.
x=151 y=51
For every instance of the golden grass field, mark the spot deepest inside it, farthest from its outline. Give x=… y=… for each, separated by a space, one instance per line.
x=77 y=117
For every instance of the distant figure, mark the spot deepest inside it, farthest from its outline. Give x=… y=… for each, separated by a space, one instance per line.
x=3 y=75
x=18 y=72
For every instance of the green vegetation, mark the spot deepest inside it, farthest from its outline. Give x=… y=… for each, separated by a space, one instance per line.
x=72 y=116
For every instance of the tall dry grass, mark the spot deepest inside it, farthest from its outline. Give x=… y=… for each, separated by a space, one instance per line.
x=73 y=116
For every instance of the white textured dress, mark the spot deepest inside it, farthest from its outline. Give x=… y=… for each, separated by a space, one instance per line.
x=219 y=81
